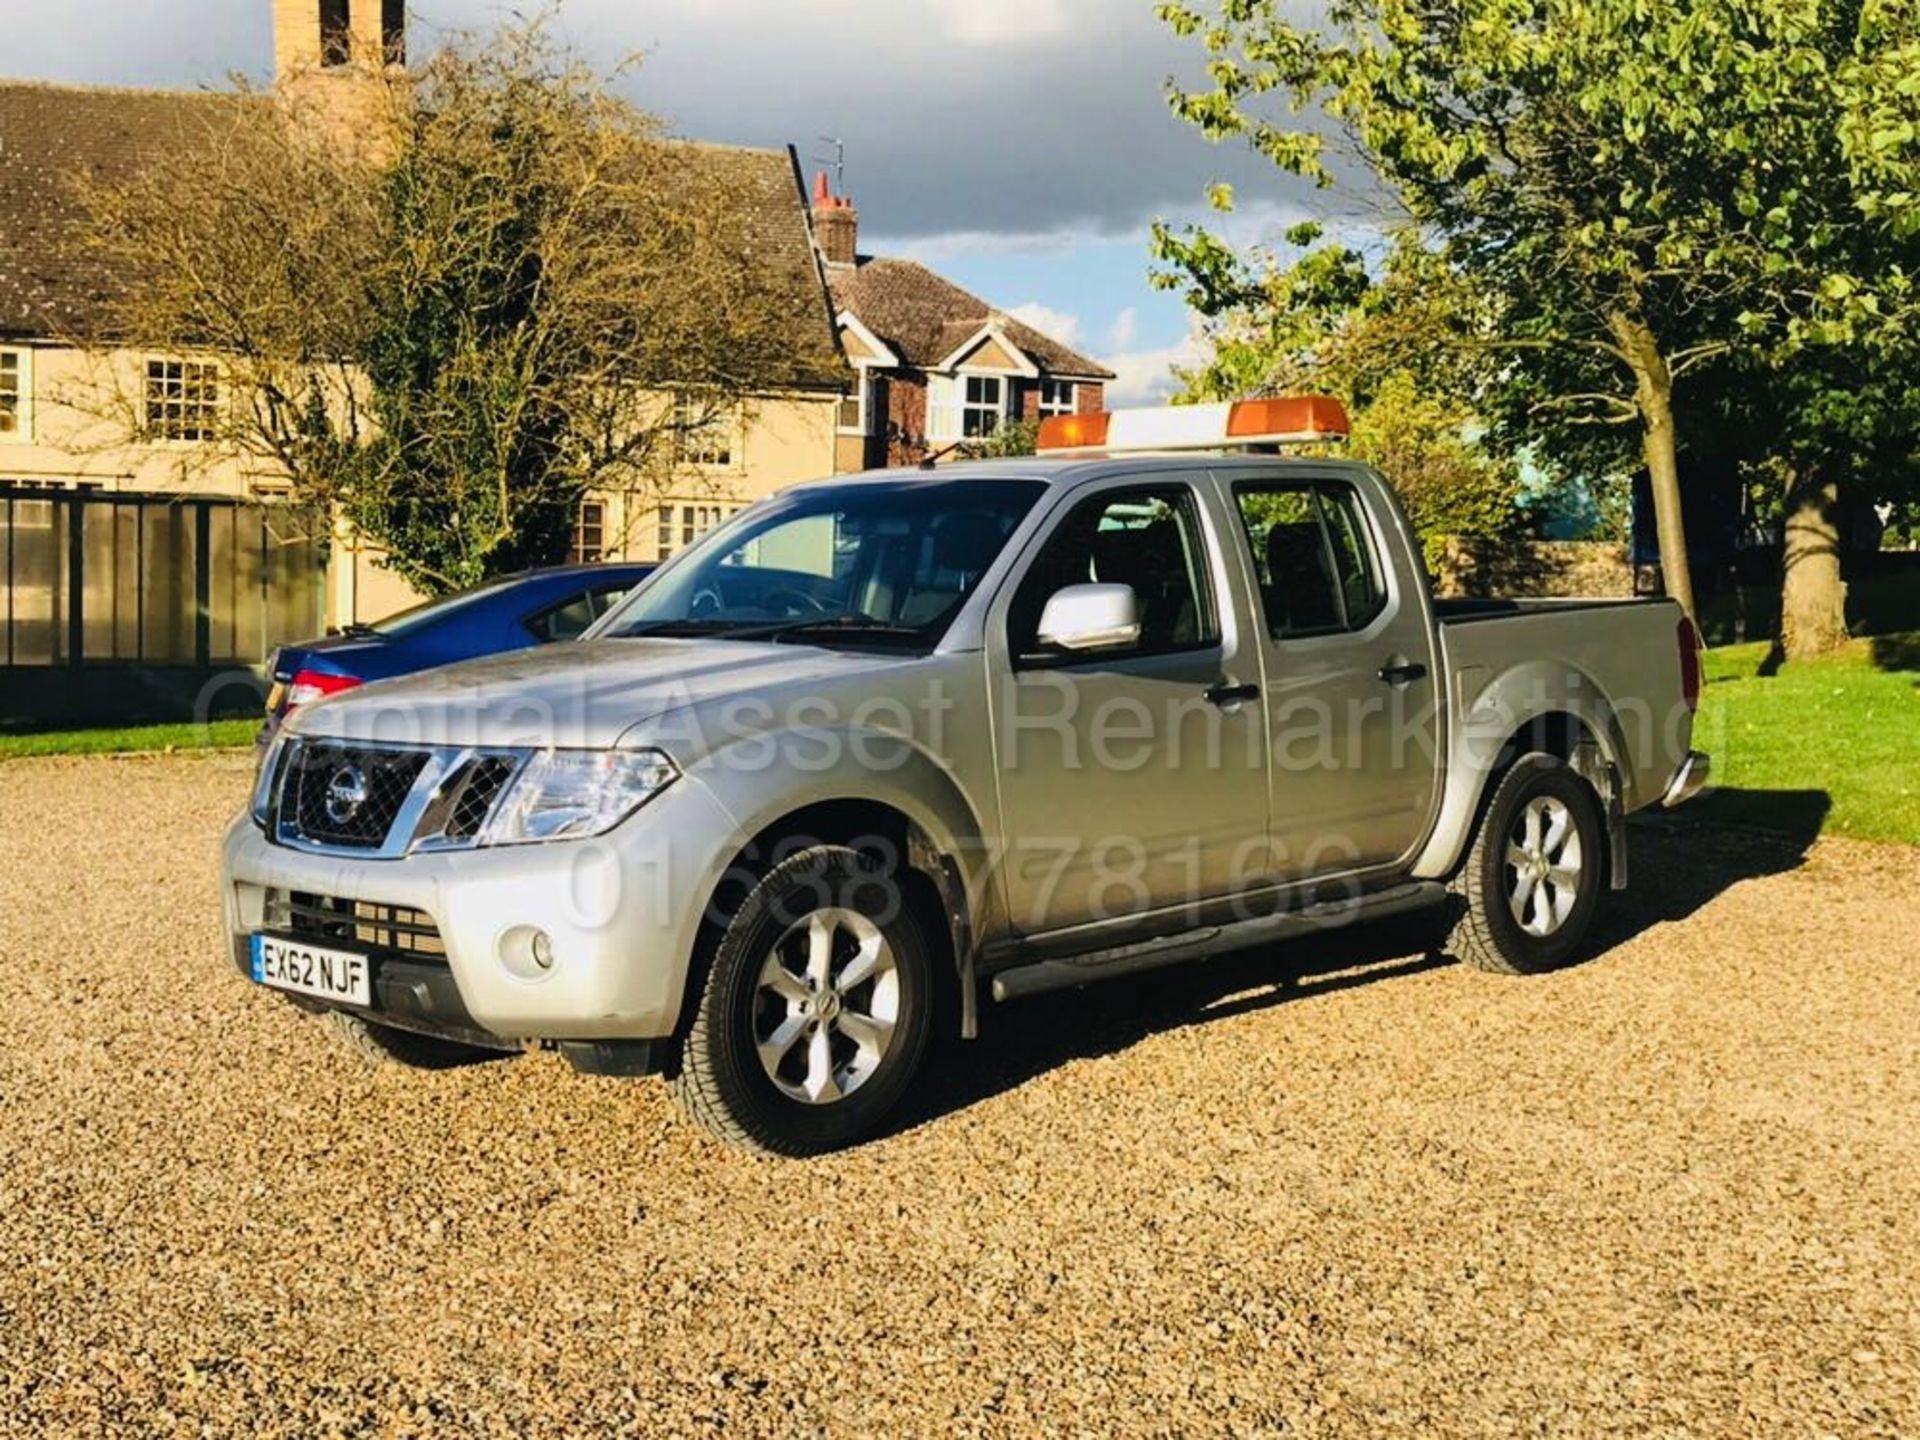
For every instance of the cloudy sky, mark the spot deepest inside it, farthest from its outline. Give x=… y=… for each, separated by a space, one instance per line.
x=1022 y=147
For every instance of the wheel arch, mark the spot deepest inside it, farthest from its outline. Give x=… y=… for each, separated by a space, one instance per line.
x=927 y=855
x=1578 y=728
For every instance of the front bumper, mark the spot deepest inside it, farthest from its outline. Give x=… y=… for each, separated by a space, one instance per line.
x=623 y=912
x=1689 y=780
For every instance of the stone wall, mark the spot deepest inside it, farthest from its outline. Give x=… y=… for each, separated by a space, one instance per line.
x=1522 y=569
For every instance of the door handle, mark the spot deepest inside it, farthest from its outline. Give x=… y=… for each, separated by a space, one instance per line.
x=1227 y=694
x=1403 y=674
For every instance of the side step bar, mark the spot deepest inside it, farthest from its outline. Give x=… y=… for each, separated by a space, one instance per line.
x=1073 y=971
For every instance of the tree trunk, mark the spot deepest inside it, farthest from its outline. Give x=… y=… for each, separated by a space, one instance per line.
x=1813 y=598
x=1653 y=395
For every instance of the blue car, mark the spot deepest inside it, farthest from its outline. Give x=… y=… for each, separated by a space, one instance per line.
x=514 y=613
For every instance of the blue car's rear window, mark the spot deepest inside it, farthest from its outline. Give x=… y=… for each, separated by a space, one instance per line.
x=395 y=627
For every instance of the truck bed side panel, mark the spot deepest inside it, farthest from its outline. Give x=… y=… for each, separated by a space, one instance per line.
x=1614 y=665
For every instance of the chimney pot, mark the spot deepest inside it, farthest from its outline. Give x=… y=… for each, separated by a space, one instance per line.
x=836 y=224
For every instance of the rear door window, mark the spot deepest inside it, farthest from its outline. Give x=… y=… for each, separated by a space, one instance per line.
x=1313 y=557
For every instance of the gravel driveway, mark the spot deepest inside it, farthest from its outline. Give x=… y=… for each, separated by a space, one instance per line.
x=1671 y=1191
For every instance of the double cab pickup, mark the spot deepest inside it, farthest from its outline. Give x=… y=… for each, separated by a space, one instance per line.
x=885 y=751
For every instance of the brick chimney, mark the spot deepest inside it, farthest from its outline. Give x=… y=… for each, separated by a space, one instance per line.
x=836 y=224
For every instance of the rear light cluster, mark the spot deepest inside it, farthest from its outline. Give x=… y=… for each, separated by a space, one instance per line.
x=308 y=686
x=1689 y=640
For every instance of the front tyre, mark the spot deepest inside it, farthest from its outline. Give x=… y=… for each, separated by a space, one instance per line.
x=816 y=1009
x=1525 y=897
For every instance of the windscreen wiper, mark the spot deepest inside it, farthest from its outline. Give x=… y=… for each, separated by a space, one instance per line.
x=671 y=629
x=850 y=625
x=849 y=622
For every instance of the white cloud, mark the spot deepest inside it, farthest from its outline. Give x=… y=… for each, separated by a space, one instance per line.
x=1120 y=337
x=1056 y=324
x=1145 y=377
x=999 y=22
x=958 y=244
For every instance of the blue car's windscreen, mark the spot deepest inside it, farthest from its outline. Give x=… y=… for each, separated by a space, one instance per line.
x=872 y=562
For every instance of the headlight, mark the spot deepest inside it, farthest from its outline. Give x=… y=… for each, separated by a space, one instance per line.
x=566 y=794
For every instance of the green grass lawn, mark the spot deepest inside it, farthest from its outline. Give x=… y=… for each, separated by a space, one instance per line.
x=1845 y=728
x=219 y=734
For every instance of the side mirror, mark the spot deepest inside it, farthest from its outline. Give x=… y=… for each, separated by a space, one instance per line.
x=1090 y=617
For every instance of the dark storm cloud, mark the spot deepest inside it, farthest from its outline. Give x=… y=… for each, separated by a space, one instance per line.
x=1015 y=116
x=1009 y=116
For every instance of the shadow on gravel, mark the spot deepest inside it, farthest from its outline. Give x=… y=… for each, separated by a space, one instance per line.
x=1679 y=860
x=1030 y=1037
x=1677 y=866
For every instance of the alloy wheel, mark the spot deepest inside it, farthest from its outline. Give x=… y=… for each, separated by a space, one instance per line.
x=1544 y=865
x=826 y=1005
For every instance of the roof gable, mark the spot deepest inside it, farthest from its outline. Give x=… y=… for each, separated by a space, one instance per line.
x=990 y=351
x=924 y=318
x=862 y=345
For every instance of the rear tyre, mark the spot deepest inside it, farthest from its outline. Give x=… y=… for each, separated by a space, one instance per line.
x=1523 y=901
x=378 y=1044
x=815 y=1012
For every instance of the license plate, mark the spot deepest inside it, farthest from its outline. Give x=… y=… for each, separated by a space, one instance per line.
x=338 y=975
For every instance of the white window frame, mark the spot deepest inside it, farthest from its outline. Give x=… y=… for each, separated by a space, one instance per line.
x=715 y=445
x=677 y=524
x=209 y=408
x=22 y=431
x=581 y=527
x=993 y=411
x=1046 y=407
x=865 y=388
x=948 y=405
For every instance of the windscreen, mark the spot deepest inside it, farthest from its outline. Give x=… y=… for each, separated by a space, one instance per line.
x=871 y=561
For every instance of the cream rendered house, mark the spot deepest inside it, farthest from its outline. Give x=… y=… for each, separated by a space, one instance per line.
x=145 y=578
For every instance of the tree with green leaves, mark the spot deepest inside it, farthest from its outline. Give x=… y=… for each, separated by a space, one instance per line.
x=1399 y=348
x=508 y=290
x=1647 y=187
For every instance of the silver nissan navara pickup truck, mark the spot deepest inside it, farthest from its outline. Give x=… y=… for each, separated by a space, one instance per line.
x=884 y=748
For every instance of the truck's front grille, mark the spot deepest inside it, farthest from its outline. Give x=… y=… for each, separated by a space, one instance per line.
x=347 y=795
x=328 y=919
x=478 y=786
x=337 y=796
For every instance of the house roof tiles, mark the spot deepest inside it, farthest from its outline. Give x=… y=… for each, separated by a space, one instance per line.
x=924 y=318
x=54 y=139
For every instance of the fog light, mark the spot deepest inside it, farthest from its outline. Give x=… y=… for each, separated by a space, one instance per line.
x=526 y=951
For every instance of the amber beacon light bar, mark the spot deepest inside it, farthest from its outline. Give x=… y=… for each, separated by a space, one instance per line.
x=1287 y=420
